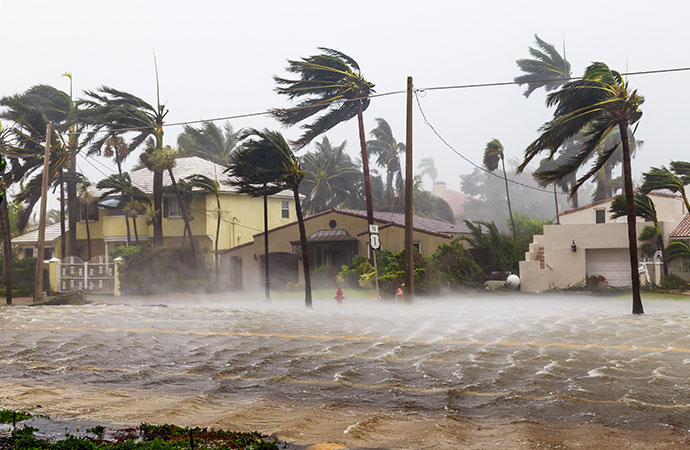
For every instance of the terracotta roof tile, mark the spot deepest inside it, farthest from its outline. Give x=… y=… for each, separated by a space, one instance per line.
x=683 y=228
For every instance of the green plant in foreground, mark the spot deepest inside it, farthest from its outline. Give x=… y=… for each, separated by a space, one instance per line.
x=7 y=415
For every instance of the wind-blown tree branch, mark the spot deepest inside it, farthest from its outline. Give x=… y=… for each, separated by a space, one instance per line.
x=676 y=250
x=644 y=208
x=331 y=86
x=663 y=178
x=427 y=167
x=263 y=165
x=331 y=177
x=209 y=142
x=493 y=153
x=595 y=105
x=209 y=186
x=547 y=69
x=387 y=149
x=108 y=112
x=164 y=159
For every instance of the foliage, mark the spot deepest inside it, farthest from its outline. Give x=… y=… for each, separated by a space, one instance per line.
x=209 y=142
x=427 y=167
x=147 y=270
x=455 y=266
x=387 y=149
x=8 y=415
x=548 y=69
x=504 y=251
x=324 y=277
x=674 y=180
x=23 y=273
x=351 y=274
x=673 y=282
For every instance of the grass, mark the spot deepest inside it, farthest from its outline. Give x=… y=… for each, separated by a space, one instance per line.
x=146 y=437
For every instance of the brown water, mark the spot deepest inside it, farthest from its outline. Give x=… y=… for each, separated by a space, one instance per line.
x=566 y=359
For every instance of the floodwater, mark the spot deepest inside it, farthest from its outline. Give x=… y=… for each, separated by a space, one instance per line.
x=571 y=359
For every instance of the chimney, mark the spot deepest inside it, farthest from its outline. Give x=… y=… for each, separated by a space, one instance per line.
x=439 y=189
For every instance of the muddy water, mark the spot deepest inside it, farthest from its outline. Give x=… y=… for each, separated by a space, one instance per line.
x=565 y=359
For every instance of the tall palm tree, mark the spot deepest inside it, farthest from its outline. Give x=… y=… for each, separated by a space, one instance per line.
x=427 y=167
x=110 y=112
x=209 y=186
x=209 y=142
x=644 y=208
x=5 y=217
x=164 y=159
x=599 y=103
x=331 y=177
x=264 y=165
x=86 y=199
x=547 y=69
x=121 y=184
x=493 y=153
x=115 y=146
x=330 y=83
x=387 y=149
x=663 y=178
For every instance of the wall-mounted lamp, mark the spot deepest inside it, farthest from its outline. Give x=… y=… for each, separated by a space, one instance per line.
x=573 y=247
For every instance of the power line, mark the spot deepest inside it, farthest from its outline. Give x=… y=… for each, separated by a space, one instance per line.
x=426 y=121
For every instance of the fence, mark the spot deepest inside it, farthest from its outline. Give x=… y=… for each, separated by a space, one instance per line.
x=97 y=275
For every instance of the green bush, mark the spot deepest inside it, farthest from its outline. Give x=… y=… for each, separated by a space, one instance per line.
x=454 y=266
x=147 y=270
x=351 y=274
x=324 y=277
x=673 y=282
x=23 y=272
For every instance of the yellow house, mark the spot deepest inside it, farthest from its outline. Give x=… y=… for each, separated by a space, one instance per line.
x=241 y=216
x=334 y=237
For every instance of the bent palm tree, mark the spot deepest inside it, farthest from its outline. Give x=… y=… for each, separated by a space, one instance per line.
x=264 y=165
x=427 y=167
x=5 y=218
x=121 y=184
x=330 y=83
x=387 y=148
x=209 y=142
x=548 y=69
x=597 y=104
x=644 y=208
x=209 y=186
x=663 y=178
x=493 y=153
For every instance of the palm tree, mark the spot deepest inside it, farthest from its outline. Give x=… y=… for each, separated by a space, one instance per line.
x=677 y=249
x=86 y=199
x=209 y=142
x=164 y=159
x=330 y=83
x=121 y=184
x=663 y=178
x=387 y=148
x=644 y=208
x=209 y=186
x=330 y=178
x=110 y=112
x=548 y=69
x=264 y=165
x=493 y=153
x=5 y=218
x=598 y=103
x=427 y=167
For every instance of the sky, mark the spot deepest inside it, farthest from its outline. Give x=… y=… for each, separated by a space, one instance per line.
x=217 y=59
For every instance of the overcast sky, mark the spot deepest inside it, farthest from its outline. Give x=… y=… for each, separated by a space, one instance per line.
x=218 y=58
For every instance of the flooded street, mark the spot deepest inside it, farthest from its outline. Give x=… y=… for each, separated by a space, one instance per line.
x=558 y=359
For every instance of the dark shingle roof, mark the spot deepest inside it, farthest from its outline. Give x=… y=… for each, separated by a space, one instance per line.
x=335 y=235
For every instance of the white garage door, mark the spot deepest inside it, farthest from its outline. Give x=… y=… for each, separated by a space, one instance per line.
x=613 y=264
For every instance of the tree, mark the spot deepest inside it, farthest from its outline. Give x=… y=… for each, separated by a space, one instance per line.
x=596 y=105
x=87 y=200
x=548 y=69
x=209 y=142
x=330 y=83
x=330 y=179
x=209 y=186
x=112 y=112
x=5 y=218
x=387 y=149
x=264 y=165
x=116 y=147
x=164 y=159
x=427 y=167
x=121 y=184
x=644 y=207
x=493 y=153
x=663 y=178
x=504 y=254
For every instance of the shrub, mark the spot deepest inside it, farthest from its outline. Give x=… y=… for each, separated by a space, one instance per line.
x=324 y=277
x=673 y=282
x=351 y=274
x=455 y=266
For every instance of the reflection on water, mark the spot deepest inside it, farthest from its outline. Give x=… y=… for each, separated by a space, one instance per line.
x=573 y=359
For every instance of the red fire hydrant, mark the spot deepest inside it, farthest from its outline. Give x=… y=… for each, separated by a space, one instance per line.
x=339 y=296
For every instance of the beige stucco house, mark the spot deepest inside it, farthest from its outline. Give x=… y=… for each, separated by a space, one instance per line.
x=334 y=237
x=589 y=242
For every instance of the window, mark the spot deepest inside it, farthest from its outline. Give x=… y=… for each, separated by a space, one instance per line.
x=93 y=212
x=28 y=253
x=171 y=208
x=285 y=209
x=417 y=245
x=600 y=215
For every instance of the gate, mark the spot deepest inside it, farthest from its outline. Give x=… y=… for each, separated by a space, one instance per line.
x=95 y=276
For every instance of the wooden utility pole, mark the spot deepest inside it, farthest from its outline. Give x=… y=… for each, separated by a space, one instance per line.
x=409 y=252
x=38 y=286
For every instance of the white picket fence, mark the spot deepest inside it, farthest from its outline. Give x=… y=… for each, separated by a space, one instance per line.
x=97 y=275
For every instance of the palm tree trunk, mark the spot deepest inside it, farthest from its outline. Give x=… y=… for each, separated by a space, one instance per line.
x=632 y=232
x=555 y=198
x=88 y=232
x=660 y=246
x=267 y=282
x=72 y=199
x=184 y=215
x=158 y=208
x=63 y=232
x=119 y=171
x=217 y=236
x=305 y=249
x=510 y=209
x=136 y=233
x=7 y=248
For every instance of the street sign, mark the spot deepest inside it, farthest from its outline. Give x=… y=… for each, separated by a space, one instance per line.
x=374 y=241
x=373 y=229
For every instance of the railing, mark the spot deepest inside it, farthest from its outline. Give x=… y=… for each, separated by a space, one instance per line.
x=95 y=276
